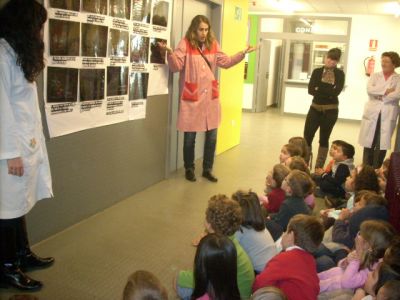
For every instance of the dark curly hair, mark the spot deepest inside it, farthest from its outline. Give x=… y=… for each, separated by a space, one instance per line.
x=366 y=179
x=21 y=22
x=224 y=215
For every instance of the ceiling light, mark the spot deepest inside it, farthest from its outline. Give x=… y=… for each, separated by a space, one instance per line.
x=392 y=8
x=287 y=6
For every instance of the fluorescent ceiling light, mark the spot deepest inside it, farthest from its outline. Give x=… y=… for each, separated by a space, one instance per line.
x=287 y=6
x=392 y=8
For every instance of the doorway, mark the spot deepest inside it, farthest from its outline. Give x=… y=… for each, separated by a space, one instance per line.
x=269 y=75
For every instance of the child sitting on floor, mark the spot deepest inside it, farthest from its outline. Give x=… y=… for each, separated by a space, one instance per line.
x=274 y=194
x=215 y=269
x=252 y=234
x=370 y=245
x=328 y=167
x=269 y=293
x=144 y=285
x=287 y=151
x=301 y=143
x=296 y=186
x=298 y=163
x=223 y=216
x=331 y=184
x=294 y=270
x=387 y=270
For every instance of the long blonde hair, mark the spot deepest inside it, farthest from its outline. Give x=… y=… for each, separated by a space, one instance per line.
x=191 y=33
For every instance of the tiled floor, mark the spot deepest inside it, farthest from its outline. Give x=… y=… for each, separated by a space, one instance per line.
x=153 y=229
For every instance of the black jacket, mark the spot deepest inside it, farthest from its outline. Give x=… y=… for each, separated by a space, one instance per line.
x=325 y=93
x=290 y=207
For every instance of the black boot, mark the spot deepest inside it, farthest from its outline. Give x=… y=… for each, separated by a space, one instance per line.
x=189 y=174
x=31 y=261
x=11 y=275
x=321 y=157
x=209 y=176
x=27 y=259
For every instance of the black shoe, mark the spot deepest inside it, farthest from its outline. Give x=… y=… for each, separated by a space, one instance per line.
x=13 y=276
x=32 y=261
x=209 y=176
x=189 y=175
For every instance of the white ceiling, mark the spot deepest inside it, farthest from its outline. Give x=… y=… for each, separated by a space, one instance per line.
x=368 y=7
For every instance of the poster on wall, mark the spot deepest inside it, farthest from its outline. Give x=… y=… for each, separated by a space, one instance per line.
x=103 y=61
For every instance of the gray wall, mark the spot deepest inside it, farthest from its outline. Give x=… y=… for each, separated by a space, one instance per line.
x=95 y=168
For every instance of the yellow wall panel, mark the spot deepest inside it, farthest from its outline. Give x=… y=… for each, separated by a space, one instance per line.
x=234 y=39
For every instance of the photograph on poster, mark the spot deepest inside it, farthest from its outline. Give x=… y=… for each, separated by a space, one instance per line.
x=141 y=11
x=94 y=40
x=139 y=49
x=65 y=4
x=120 y=9
x=160 y=13
x=117 y=81
x=62 y=84
x=157 y=55
x=95 y=6
x=91 y=84
x=118 y=43
x=64 y=38
x=138 y=83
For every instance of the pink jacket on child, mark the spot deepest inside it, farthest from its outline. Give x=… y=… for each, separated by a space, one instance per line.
x=342 y=277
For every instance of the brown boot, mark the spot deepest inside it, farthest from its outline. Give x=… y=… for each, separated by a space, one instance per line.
x=321 y=157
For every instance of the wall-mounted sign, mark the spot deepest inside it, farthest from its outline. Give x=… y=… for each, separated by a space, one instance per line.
x=238 y=13
x=373 y=45
x=303 y=29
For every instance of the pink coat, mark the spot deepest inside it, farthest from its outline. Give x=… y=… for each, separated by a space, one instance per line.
x=349 y=277
x=199 y=108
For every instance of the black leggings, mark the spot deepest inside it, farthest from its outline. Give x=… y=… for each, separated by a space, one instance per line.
x=325 y=120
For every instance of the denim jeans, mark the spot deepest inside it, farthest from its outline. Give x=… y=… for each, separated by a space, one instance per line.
x=189 y=140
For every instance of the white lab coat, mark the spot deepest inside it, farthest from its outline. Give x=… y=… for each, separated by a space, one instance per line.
x=21 y=135
x=388 y=106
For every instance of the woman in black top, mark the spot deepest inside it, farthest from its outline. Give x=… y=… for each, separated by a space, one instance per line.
x=325 y=85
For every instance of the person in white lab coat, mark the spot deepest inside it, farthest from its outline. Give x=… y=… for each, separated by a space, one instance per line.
x=380 y=111
x=24 y=167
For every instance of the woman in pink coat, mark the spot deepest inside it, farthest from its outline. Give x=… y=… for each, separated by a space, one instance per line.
x=196 y=58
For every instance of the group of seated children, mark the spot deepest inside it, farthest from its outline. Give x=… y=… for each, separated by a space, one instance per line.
x=274 y=246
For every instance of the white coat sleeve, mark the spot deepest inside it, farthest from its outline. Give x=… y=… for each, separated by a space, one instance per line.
x=9 y=144
x=374 y=88
x=395 y=95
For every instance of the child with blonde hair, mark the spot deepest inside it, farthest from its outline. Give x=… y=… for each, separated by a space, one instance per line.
x=144 y=285
x=269 y=293
x=370 y=245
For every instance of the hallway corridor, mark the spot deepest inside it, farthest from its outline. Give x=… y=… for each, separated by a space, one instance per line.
x=153 y=229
